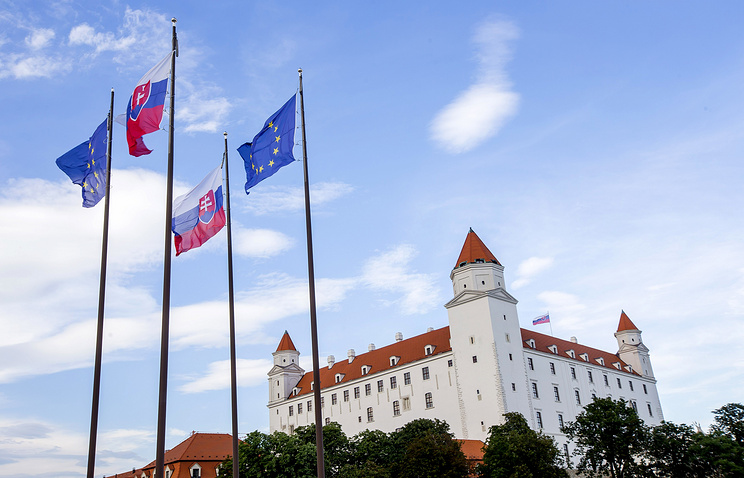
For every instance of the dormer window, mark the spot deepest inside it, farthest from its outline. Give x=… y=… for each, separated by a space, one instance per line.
x=531 y=343
x=394 y=360
x=584 y=357
x=629 y=368
x=600 y=361
x=616 y=365
x=365 y=369
x=480 y=261
x=339 y=377
x=312 y=385
x=553 y=348
x=571 y=353
x=429 y=349
x=295 y=391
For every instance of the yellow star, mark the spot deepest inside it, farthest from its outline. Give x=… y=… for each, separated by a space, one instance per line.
x=271 y=163
x=271 y=124
x=276 y=150
x=260 y=170
x=88 y=164
x=85 y=185
x=93 y=161
x=95 y=173
x=275 y=128
x=278 y=138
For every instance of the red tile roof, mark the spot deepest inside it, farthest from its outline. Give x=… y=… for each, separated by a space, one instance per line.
x=473 y=449
x=378 y=360
x=544 y=342
x=286 y=343
x=474 y=249
x=625 y=323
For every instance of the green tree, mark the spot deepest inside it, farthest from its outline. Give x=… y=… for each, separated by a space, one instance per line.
x=514 y=450
x=426 y=448
x=337 y=449
x=674 y=451
x=373 y=454
x=730 y=421
x=609 y=438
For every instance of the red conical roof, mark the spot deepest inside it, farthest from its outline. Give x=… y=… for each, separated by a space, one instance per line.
x=286 y=343
x=474 y=249
x=625 y=323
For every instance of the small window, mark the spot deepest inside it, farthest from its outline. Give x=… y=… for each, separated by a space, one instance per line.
x=429 y=400
x=552 y=368
x=406 y=403
x=393 y=382
x=291 y=410
x=427 y=350
x=571 y=353
x=530 y=364
x=557 y=394
x=510 y=357
x=507 y=338
x=600 y=360
x=645 y=390
x=607 y=382
x=530 y=342
x=309 y=405
x=365 y=369
x=360 y=419
x=514 y=387
x=631 y=385
x=356 y=392
x=449 y=363
x=322 y=402
x=589 y=374
x=619 y=383
x=368 y=389
x=578 y=397
x=560 y=420
x=634 y=405
x=299 y=408
x=327 y=421
x=396 y=408
x=573 y=373
x=585 y=357
x=346 y=395
x=425 y=373
x=538 y=417
x=370 y=415
x=380 y=386
x=553 y=348
x=394 y=360
x=650 y=413
x=407 y=378
x=339 y=377
x=534 y=390
x=475 y=359
x=472 y=340
x=334 y=399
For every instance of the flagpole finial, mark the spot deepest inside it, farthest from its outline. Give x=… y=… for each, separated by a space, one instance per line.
x=112 y=89
x=225 y=134
x=173 y=20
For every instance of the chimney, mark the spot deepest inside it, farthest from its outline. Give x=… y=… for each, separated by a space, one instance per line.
x=370 y=347
x=430 y=329
x=351 y=354
x=398 y=336
x=331 y=361
x=573 y=339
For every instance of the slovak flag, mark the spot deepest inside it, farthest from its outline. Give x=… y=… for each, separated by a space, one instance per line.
x=198 y=214
x=543 y=319
x=145 y=107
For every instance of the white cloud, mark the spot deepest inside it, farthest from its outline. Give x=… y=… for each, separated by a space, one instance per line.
x=39 y=38
x=217 y=377
x=529 y=268
x=480 y=111
x=260 y=243
x=270 y=199
x=390 y=272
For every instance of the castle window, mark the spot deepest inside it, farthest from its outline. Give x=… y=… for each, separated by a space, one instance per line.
x=425 y=373
x=578 y=397
x=571 y=353
x=393 y=382
x=429 y=400
x=480 y=261
x=538 y=417
x=299 y=408
x=472 y=340
x=356 y=392
x=346 y=395
x=360 y=419
x=365 y=369
x=327 y=421
x=309 y=405
x=322 y=402
x=530 y=364
x=600 y=360
x=534 y=390
x=291 y=410
x=573 y=373
x=634 y=405
x=339 y=377
x=650 y=413
x=394 y=360
x=589 y=373
x=427 y=350
x=407 y=378
x=406 y=403
x=619 y=384
x=370 y=415
x=514 y=387
x=334 y=399
x=510 y=357
x=607 y=382
x=368 y=389
x=396 y=408
x=552 y=368
x=557 y=394
x=380 y=386
x=507 y=338
x=644 y=389
x=195 y=471
x=449 y=363
x=560 y=420
x=553 y=348
x=616 y=365
x=631 y=385
x=530 y=342
x=312 y=385
x=295 y=391
x=585 y=357
x=475 y=359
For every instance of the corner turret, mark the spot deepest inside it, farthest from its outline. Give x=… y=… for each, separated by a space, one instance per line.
x=631 y=348
x=286 y=371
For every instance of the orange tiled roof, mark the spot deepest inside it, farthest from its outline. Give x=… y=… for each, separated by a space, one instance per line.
x=474 y=249
x=286 y=343
x=200 y=447
x=378 y=360
x=473 y=449
x=625 y=323
x=543 y=342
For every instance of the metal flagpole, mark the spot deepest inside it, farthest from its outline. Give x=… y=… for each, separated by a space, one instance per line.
x=311 y=281
x=231 y=300
x=163 y=392
x=551 y=324
x=101 y=301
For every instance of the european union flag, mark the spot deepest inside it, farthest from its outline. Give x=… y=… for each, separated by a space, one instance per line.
x=85 y=164
x=272 y=147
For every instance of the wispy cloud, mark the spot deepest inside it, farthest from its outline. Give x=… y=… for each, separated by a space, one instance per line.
x=529 y=268
x=480 y=111
x=217 y=377
x=260 y=243
x=272 y=199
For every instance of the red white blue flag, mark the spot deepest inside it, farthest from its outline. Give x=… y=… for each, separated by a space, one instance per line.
x=199 y=214
x=543 y=319
x=145 y=107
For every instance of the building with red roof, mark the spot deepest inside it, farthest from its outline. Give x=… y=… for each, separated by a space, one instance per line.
x=470 y=373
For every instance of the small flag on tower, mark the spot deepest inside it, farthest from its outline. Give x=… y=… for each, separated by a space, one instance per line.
x=85 y=164
x=543 y=319
x=198 y=214
x=271 y=147
x=145 y=107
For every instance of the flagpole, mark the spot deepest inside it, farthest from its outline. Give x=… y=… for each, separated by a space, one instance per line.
x=101 y=301
x=163 y=392
x=551 y=324
x=311 y=281
x=231 y=302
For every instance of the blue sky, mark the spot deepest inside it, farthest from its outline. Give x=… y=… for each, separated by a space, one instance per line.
x=595 y=147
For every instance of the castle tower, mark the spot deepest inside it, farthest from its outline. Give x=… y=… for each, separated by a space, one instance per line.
x=286 y=371
x=631 y=348
x=486 y=342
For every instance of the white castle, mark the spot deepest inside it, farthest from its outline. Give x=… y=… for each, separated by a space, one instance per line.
x=470 y=373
